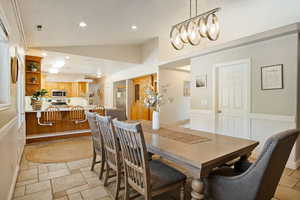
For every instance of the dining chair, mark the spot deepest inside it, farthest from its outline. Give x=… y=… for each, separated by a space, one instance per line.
x=98 y=148
x=48 y=117
x=116 y=113
x=253 y=181
x=148 y=178
x=113 y=159
x=99 y=109
x=77 y=114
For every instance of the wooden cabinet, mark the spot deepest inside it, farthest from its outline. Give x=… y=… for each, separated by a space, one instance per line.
x=33 y=74
x=73 y=89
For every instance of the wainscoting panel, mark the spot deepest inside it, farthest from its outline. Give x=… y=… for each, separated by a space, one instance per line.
x=255 y=126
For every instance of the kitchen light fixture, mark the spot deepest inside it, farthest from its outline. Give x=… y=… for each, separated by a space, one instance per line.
x=133 y=27
x=44 y=54
x=205 y=25
x=59 y=64
x=67 y=57
x=82 y=24
x=53 y=70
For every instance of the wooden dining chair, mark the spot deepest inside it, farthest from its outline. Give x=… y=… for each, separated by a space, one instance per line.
x=49 y=117
x=77 y=114
x=113 y=157
x=115 y=113
x=98 y=147
x=148 y=178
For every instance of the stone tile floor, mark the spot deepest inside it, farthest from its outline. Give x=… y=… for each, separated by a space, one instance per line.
x=74 y=181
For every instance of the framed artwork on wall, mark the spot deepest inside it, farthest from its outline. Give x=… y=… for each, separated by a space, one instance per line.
x=201 y=81
x=272 y=77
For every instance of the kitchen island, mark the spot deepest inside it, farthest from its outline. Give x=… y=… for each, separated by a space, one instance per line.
x=62 y=128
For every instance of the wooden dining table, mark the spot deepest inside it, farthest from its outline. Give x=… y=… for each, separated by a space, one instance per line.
x=199 y=152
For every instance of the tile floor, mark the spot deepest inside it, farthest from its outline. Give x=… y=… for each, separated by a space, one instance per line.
x=74 y=181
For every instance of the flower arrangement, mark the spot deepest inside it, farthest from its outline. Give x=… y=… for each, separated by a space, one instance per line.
x=154 y=99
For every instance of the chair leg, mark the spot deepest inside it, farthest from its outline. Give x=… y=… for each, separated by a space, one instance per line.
x=94 y=160
x=126 y=194
x=106 y=174
x=118 y=184
x=182 y=191
x=102 y=169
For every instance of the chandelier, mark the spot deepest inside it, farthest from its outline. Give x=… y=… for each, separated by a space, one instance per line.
x=192 y=30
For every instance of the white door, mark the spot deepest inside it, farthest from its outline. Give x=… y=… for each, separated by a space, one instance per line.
x=232 y=103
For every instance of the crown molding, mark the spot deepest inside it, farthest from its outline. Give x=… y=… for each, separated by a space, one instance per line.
x=18 y=16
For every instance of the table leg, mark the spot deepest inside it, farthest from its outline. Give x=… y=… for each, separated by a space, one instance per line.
x=197 y=189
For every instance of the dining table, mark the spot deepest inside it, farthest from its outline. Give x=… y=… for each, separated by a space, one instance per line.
x=197 y=151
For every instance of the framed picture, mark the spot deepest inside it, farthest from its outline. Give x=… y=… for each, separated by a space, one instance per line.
x=272 y=77
x=201 y=81
x=186 y=88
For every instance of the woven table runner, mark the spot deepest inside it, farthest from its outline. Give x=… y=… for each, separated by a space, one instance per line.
x=174 y=135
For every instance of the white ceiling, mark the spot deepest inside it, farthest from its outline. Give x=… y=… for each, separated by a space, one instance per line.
x=109 y=21
x=80 y=64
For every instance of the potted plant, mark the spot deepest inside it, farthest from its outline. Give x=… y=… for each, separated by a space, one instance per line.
x=36 y=101
x=32 y=67
x=33 y=80
x=154 y=100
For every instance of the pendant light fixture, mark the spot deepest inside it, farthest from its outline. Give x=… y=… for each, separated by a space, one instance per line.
x=192 y=30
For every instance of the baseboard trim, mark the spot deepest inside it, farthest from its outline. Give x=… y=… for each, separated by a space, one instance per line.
x=13 y=185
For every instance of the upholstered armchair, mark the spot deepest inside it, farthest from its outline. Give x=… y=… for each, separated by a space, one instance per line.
x=253 y=181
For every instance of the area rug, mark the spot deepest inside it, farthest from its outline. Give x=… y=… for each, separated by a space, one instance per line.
x=60 y=151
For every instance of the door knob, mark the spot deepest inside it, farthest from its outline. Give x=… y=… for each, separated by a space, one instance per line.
x=219 y=111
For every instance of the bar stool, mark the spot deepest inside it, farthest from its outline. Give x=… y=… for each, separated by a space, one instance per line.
x=99 y=109
x=49 y=116
x=77 y=114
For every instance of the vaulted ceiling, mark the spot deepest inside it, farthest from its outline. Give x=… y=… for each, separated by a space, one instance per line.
x=108 y=21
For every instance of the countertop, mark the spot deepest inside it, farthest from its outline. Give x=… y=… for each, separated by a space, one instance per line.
x=61 y=108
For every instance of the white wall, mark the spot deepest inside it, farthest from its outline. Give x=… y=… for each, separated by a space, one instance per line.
x=178 y=109
x=12 y=134
x=149 y=66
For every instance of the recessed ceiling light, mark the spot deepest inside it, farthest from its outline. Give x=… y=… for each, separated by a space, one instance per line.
x=44 y=54
x=59 y=64
x=67 y=57
x=53 y=70
x=82 y=24
x=133 y=27
x=99 y=74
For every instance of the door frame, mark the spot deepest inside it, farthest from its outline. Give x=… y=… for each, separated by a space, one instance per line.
x=215 y=94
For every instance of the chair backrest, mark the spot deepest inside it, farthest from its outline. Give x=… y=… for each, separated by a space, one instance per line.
x=265 y=173
x=116 y=114
x=99 y=109
x=135 y=156
x=110 y=142
x=51 y=115
x=77 y=113
x=96 y=136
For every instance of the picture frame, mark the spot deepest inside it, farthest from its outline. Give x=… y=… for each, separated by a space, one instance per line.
x=14 y=69
x=201 y=81
x=186 y=88
x=272 y=77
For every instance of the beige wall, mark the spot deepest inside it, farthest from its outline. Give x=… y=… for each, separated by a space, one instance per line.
x=179 y=106
x=282 y=50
